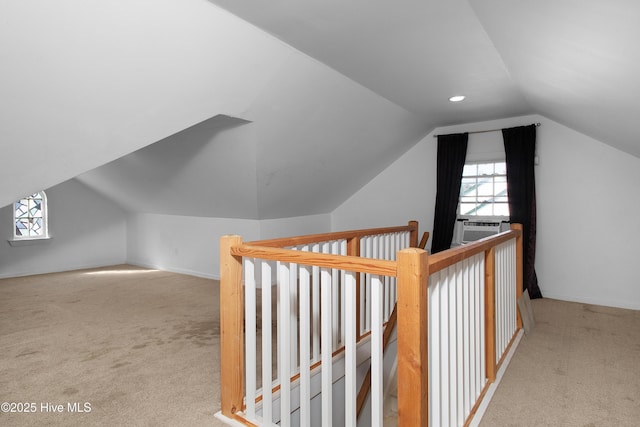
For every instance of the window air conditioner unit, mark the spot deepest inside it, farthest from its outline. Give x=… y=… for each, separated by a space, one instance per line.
x=476 y=230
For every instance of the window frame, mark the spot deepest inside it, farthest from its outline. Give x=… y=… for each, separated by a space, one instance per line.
x=44 y=210
x=479 y=216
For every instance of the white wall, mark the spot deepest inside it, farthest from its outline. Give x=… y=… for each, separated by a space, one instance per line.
x=587 y=228
x=296 y=226
x=586 y=207
x=402 y=192
x=191 y=245
x=96 y=80
x=183 y=244
x=86 y=229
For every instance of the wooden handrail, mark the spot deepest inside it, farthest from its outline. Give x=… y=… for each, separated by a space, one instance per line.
x=327 y=237
x=342 y=262
x=410 y=314
x=444 y=259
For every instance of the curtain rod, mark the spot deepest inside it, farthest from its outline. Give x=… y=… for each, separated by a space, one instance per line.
x=483 y=131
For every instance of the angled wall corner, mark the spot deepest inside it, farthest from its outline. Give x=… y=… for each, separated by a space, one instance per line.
x=119 y=77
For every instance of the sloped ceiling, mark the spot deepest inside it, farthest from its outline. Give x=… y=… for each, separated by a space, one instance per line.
x=320 y=138
x=304 y=102
x=575 y=61
x=205 y=170
x=416 y=53
x=317 y=139
x=84 y=82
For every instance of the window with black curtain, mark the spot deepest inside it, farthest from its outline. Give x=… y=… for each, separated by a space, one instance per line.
x=452 y=151
x=520 y=147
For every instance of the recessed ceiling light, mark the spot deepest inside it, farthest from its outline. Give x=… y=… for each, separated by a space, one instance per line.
x=457 y=98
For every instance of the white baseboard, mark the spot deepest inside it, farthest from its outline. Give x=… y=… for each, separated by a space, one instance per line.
x=631 y=305
x=174 y=269
x=228 y=421
x=60 y=269
x=482 y=408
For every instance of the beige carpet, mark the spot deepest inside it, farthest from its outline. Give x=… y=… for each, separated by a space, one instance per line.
x=580 y=366
x=140 y=347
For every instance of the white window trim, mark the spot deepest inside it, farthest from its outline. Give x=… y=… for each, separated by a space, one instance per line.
x=30 y=240
x=471 y=217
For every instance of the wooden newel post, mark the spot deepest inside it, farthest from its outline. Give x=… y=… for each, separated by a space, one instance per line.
x=413 y=277
x=519 y=269
x=231 y=328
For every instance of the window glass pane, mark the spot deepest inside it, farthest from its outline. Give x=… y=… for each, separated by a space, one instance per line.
x=36 y=227
x=21 y=208
x=500 y=188
x=470 y=170
x=485 y=186
x=467 y=199
x=485 y=209
x=29 y=216
x=467 y=208
x=468 y=187
x=485 y=169
x=35 y=207
x=22 y=227
x=501 y=209
x=483 y=191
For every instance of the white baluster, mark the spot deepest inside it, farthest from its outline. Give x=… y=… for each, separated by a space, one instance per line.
x=250 y=336
x=315 y=311
x=293 y=317
x=305 y=370
x=377 y=320
x=435 y=343
x=350 y=350
x=335 y=298
x=327 y=350
x=267 y=374
x=284 y=351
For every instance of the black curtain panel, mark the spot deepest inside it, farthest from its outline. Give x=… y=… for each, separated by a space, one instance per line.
x=452 y=151
x=520 y=147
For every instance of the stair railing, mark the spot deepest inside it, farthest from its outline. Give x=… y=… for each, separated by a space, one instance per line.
x=339 y=277
x=466 y=299
x=456 y=321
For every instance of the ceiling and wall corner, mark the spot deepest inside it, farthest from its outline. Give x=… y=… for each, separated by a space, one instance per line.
x=207 y=170
x=84 y=82
x=585 y=233
x=415 y=53
x=316 y=139
x=574 y=61
x=334 y=92
x=321 y=137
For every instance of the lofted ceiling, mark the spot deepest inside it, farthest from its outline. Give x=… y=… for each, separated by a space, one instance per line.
x=575 y=61
x=286 y=108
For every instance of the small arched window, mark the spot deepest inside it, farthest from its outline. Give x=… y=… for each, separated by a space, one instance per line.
x=30 y=217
